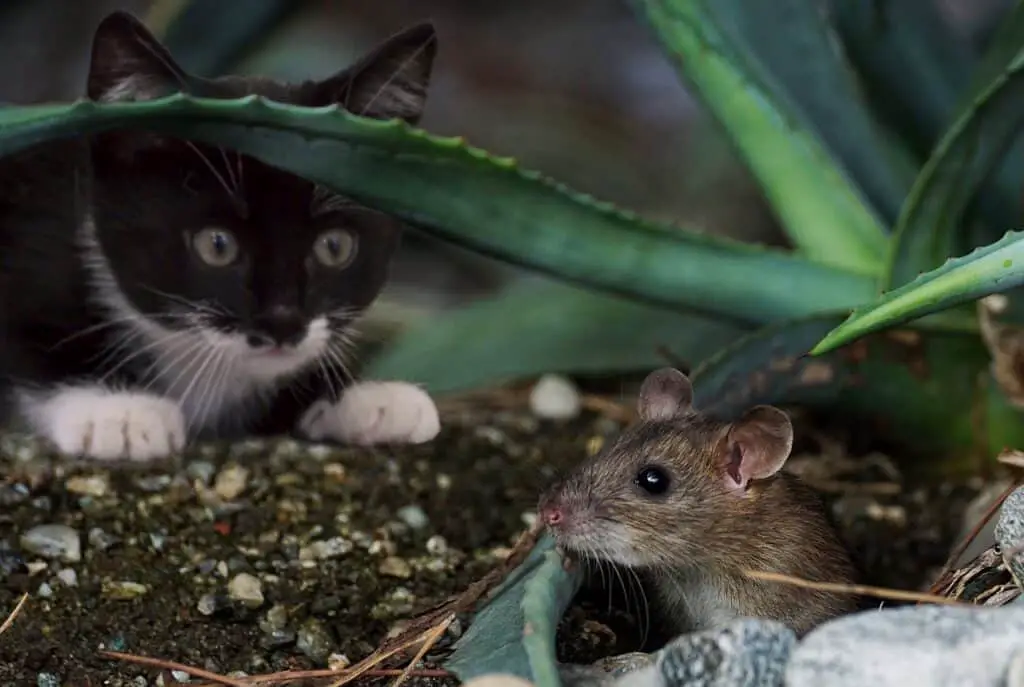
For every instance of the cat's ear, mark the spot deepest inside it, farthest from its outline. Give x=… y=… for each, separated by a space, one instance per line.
x=129 y=63
x=388 y=82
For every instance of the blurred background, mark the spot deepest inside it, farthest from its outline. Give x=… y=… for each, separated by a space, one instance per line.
x=577 y=89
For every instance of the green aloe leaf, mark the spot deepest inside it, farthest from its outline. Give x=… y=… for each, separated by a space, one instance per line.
x=921 y=99
x=465 y=196
x=932 y=221
x=515 y=632
x=744 y=74
x=209 y=36
x=895 y=385
x=921 y=96
x=991 y=269
x=539 y=326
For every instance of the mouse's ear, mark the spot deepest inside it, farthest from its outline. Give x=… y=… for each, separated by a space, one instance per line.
x=665 y=394
x=757 y=446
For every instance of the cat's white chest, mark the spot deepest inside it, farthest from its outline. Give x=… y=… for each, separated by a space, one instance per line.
x=217 y=381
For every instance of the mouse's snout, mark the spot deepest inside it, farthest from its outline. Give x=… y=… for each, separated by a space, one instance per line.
x=551 y=514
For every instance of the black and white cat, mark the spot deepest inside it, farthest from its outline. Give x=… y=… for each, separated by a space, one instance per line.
x=156 y=290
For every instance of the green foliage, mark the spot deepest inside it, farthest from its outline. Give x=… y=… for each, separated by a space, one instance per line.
x=208 y=36
x=478 y=201
x=933 y=220
x=540 y=325
x=823 y=213
x=990 y=269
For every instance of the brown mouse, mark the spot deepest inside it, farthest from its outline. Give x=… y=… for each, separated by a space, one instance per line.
x=690 y=502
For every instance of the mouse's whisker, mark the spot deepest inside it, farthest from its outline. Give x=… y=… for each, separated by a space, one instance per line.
x=646 y=615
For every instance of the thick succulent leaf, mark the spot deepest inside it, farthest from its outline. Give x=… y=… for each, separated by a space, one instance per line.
x=209 y=36
x=931 y=223
x=465 y=196
x=920 y=96
x=515 y=632
x=991 y=269
x=539 y=326
x=791 y=48
x=896 y=385
x=823 y=211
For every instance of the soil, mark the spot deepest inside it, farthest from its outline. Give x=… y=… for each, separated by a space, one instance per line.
x=344 y=544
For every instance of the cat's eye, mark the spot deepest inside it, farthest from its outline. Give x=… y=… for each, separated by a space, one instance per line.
x=335 y=248
x=215 y=247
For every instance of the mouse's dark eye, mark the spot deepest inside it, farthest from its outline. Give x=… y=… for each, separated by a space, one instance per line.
x=652 y=480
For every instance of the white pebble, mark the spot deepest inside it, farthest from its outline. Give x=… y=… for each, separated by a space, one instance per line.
x=554 y=397
x=68 y=577
x=246 y=589
x=498 y=680
x=413 y=516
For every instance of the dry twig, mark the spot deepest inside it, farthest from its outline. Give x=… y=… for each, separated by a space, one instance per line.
x=959 y=550
x=878 y=592
x=172 y=665
x=14 y=614
x=431 y=640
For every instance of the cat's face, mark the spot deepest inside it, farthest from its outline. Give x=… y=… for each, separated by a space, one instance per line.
x=197 y=240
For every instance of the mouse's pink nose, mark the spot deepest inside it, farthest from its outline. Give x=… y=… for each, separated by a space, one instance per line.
x=552 y=515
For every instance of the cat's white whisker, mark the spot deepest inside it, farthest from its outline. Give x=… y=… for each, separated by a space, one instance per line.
x=207 y=355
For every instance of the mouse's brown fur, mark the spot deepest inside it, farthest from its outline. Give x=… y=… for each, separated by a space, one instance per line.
x=723 y=512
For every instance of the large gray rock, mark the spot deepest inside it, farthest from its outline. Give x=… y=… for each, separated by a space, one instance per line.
x=937 y=646
x=1010 y=533
x=747 y=653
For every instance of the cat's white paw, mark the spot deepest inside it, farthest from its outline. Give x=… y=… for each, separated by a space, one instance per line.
x=374 y=413
x=102 y=424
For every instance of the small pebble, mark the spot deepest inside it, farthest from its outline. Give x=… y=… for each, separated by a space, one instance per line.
x=68 y=577
x=437 y=545
x=413 y=516
x=313 y=640
x=331 y=548
x=554 y=397
x=123 y=590
x=246 y=589
x=231 y=482
x=100 y=540
x=89 y=485
x=36 y=567
x=275 y=619
x=208 y=604
x=47 y=680
x=497 y=680
x=338 y=661
x=202 y=470
x=53 y=541
x=180 y=675
x=45 y=591
x=393 y=566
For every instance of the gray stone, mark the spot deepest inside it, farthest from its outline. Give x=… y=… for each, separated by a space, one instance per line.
x=246 y=589
x=1010 y=533
x=314 y=640
x=746 y=653
x=53 y=541
x=938 y=646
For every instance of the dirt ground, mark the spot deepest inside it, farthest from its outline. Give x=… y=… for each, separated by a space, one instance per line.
x=271 y=556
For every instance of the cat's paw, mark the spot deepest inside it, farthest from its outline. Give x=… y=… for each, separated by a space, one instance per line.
x=374 y=413
x=111 y=425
